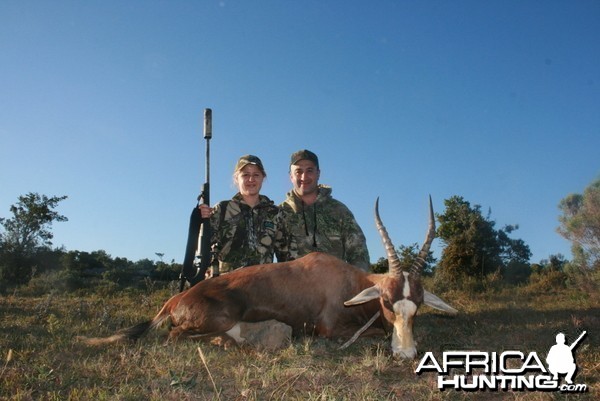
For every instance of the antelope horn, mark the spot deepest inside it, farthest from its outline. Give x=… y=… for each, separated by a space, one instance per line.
x=394 y=266
x=419 y=262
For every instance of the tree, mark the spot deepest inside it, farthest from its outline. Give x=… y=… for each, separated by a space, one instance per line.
x=474 y=247
x=512 y=250
x=580 y=224
x=407 y=256
x=26 y=233
x=471 y=246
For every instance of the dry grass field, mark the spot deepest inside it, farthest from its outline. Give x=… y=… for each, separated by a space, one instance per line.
x=41 y=360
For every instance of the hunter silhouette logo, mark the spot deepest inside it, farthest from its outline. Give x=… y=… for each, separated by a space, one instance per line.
x=507 y=370
x=560 y=358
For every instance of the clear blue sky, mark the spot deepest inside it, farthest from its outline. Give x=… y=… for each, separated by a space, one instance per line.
x=102 y=101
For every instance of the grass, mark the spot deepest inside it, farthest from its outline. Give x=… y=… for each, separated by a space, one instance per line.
x=41 y=361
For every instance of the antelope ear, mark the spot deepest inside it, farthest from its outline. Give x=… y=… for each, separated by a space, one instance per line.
x=436 y=303
x=365 y=296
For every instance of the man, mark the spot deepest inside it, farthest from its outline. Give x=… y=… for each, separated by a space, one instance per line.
x=317 y=222
x=560 y=358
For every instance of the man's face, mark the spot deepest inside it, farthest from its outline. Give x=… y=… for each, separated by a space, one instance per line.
x=305 y=177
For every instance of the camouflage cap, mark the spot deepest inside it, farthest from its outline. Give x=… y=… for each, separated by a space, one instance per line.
x=304 y=155
x=249 y=159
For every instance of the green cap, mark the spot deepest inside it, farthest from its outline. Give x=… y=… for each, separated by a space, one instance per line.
x=249 y=159
x=304 y=155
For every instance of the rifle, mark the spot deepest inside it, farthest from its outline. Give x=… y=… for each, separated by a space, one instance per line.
x=577 y=341
x=197 y=260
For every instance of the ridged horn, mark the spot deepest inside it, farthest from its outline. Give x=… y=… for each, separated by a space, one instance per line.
x=394 y=266
x=419 y=263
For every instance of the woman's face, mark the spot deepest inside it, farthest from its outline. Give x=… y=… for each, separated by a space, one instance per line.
x=249 y=180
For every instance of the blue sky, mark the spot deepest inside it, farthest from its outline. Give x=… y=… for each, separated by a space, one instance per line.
x=102 y=101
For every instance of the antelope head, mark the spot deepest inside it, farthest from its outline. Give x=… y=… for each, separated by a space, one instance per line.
x=400 y=292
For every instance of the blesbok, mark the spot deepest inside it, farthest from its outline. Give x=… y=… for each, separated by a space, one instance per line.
x=316 y=294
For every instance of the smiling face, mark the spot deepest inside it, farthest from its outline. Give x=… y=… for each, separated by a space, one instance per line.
x=305 y=177
x=249 y=180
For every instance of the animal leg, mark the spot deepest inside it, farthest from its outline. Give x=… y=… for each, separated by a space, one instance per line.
x=178 y=333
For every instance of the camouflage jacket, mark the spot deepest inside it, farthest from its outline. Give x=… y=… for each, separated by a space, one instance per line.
x=245 y=236
x=325 y=226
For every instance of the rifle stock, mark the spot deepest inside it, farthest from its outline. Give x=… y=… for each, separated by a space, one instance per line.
x=205 y=238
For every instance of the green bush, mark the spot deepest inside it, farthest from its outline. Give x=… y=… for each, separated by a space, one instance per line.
x=55 y=281
x=547 y=281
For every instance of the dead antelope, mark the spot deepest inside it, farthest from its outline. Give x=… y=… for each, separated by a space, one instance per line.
x=317 y=293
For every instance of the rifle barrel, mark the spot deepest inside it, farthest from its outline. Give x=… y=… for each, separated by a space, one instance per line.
x=578 y=339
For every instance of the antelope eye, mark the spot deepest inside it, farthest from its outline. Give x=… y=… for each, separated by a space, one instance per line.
x=387 y=304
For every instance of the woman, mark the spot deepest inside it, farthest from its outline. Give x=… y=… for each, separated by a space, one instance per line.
x=248 y=229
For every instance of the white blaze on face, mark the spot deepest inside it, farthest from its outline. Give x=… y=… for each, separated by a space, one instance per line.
x=403 y=343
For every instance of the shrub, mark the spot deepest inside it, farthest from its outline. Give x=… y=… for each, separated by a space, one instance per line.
x=60 y=281
x=546 y=281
